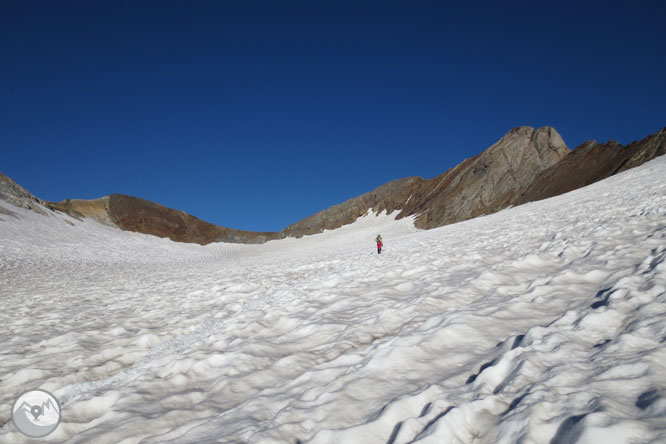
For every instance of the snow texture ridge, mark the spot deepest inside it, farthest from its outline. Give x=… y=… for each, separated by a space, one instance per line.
x=544 y=323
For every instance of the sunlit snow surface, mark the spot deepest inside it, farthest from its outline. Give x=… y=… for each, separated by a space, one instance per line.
x=544 y=323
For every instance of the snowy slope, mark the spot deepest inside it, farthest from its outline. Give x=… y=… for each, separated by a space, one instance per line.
x=544 y=323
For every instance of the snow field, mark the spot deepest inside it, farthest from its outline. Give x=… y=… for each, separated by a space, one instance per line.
x=544 y=323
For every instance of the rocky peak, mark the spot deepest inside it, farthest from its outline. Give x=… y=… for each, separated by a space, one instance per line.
x=547 y=137
x=546 y=141
x=490 y=181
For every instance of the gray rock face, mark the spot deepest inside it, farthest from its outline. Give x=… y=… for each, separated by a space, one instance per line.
x=16 y=195
x=490 y=181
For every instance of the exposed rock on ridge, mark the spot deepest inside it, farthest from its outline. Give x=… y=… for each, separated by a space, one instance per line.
x=18 y=196
x=390 y=197
x=480 y=185
x=130 y=214
x=525 y=165
x=488 y=182
x=95 y=209
x=591 y=162
x=143 y=216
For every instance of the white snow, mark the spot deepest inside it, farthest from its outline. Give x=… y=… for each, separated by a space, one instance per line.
x=544 y=323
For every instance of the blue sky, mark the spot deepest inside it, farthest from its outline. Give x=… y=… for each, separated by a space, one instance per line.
x=254 y=115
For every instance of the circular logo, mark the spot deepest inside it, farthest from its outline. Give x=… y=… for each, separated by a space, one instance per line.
x=36 y=413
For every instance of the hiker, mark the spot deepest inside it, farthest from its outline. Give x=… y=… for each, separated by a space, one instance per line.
x=379 y=243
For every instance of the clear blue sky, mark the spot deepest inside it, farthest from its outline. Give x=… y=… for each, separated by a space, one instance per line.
x=254 y=115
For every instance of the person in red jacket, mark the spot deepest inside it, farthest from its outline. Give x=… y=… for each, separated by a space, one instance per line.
x=379 y=243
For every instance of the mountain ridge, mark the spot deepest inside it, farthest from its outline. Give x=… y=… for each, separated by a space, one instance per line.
x=525 y=165
x=591 y=162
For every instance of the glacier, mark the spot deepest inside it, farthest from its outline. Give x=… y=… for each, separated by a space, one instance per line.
x=542 y=323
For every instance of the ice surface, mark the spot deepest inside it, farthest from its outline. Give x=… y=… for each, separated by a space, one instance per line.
x=544 y=323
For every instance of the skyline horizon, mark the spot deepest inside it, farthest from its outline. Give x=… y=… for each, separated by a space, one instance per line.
x=357 y=195
x=258 y=114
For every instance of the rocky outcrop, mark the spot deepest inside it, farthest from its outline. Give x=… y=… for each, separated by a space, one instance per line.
x=18 y=196
x=488 y=182
x=592 y=162
x=143 y=216
x=95 y=209
x=645 y=150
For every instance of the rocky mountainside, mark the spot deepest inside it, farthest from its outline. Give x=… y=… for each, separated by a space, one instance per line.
x=143 y=216
x=489 y=182
x=480 y=185
x=591 y=162
x=18 y=196
x=527 y=164
x=130 y=214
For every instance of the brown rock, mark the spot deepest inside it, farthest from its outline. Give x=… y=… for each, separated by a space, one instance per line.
x=143 y=216
x=96 y=209
x=591 y=162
